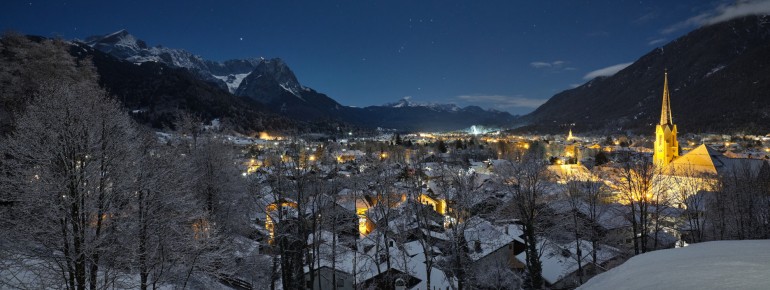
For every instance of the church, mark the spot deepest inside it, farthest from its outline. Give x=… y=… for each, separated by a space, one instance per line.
x=666 y=146
x=700 y=166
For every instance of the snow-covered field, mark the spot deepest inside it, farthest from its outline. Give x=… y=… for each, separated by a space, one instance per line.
x=710 y=265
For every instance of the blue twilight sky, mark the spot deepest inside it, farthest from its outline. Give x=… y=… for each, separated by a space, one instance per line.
x=508 y=55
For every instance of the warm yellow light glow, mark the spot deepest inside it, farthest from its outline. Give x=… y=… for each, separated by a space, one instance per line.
x=252 y=166
x=265 y=136
x=271 y=209
x=438 y=205
x=201 y=229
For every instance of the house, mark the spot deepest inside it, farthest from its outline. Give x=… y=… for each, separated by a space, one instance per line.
x=489 y=244
x=559 y=261
x=404 y=261
x=334 y=266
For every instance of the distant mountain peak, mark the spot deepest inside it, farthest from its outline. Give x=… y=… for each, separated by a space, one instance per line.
x=403 y=102
x=278 y=69
x=120 y=43
x=123 y=45
x=406 y=102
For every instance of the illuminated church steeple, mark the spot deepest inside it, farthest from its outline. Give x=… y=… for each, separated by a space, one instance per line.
x=666 y=145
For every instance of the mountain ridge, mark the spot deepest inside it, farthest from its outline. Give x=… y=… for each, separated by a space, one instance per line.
x=718 y=78
x=272 y=83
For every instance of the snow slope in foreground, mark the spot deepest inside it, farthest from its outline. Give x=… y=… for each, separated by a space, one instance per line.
x=710 y=265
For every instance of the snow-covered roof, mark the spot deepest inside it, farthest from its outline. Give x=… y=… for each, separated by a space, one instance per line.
x=488 y=237
x=560 y=260
x=609 y=217
x=340 y=260
x=410 y=260
x=571 y=171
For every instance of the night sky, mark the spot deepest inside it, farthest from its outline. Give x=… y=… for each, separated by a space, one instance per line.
x=508 y=55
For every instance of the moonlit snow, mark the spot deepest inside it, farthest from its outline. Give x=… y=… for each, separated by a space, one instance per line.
x=710 y=265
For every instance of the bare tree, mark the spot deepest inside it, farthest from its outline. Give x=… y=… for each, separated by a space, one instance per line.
x=466 y=191
x=160 y=213
x=688 y=186
x=71 y=156
x=498 y=276
x=424 y=214
x=593 y=192
x=290 y=182
x=577 y=225
x=525 y=182
x=739 y=209
x=643 y=188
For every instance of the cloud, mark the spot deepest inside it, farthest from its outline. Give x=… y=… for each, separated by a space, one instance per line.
x=540 y=64
x=502 y=102
x=656 y=41
x=722 y=13
x=740 y=9
x=607 y=71
x=552 y=66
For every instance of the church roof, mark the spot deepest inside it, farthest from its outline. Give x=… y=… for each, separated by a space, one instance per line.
x=707 y=160
x=701 y=160
x=665 y=112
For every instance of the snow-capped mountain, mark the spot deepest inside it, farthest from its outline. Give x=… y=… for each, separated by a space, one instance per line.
x=272 y=83
x=268 y=73
x=124 y=45
x=405 y=102
x=269 y=81
x=412 y=116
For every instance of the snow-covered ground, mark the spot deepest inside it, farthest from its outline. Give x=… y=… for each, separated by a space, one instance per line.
x=710 y=265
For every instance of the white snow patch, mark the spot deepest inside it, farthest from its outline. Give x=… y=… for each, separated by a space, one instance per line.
x=233 y=81
x=710 y=265
x=292 y=90
x=714 y=70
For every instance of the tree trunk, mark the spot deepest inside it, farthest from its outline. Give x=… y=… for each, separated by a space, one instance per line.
x=143 y=271
x=578 y=250
x=533 y=258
